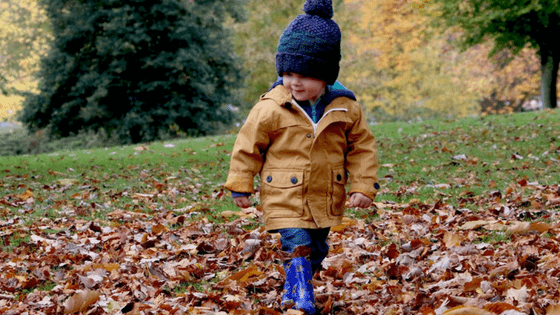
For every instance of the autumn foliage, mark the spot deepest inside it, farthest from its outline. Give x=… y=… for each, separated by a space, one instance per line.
x=418 y=258
x=466 y=222
x=400 y=63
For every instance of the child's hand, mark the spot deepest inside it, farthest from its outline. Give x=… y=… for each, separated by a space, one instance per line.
x=243 y=202
x=359 y=200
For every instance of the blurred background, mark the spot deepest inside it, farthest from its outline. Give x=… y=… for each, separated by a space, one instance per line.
x=135 y=70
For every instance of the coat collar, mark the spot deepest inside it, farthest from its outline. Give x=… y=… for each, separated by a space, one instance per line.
x=278 y=94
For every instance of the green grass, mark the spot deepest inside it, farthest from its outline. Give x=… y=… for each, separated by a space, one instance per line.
x=454 y=161
x=444 y=159
x=11 y=241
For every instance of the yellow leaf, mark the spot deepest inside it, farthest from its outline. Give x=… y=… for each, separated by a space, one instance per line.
x=66 y=182
x=107 y=266
x=141 y=148
x=26 y=195
x=345 y=223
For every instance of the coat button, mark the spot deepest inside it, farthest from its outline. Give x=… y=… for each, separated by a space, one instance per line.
x=308 y=135
x=376 y=186
x=339 y=177
x=269 y=179
x=294 y=180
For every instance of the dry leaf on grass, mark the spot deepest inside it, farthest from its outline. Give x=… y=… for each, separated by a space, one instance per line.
x=467 y=310
x=80 y=301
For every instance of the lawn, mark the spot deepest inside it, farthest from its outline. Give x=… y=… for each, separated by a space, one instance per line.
x=466 y=220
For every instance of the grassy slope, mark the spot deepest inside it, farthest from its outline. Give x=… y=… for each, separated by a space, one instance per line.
x=448 y=187
x=433 y=160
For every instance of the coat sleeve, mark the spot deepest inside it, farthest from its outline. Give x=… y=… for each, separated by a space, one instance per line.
x=247 y=155
x=361 y=158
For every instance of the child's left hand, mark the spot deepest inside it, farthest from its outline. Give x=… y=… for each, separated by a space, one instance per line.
x=359 y=200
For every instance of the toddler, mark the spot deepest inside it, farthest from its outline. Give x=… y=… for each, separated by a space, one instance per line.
x=306 y=137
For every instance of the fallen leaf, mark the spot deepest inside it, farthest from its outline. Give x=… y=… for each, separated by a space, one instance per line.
x=66 y=182
x=451 y=239
x=553 y=309
x=467 y=310
x=141 y=148
x=519 y=295
x=473 y=225
x=26 y=195
x=523 y=227
x=80 y=301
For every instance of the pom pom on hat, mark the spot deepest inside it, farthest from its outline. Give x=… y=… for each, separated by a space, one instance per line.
x=322 y=8
x=310 y=45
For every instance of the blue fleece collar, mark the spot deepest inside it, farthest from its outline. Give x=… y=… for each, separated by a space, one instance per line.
x=333 y=91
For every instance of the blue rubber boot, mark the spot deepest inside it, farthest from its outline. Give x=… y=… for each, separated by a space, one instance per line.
x=287 y=299
x=299 y=276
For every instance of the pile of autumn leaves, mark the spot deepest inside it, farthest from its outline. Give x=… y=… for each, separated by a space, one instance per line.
x=418 y=258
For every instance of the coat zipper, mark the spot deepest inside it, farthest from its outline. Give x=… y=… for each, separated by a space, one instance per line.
x=315 y=125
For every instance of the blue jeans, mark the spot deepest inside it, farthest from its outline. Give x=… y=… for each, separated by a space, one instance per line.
x=316 y=239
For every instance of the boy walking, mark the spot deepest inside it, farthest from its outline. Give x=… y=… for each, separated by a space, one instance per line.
x=307 y=137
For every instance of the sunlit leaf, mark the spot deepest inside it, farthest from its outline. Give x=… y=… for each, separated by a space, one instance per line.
x=80 y=301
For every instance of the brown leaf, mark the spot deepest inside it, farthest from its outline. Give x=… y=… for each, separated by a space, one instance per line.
x=88 y=282
x=473 y=225
x=553 y=309
x=245 y=275
x=451 y=239
x=80 y=301
x=523 y=227
x=467 y=310
x=159 y=228
x=499 y=307
x=391 y=251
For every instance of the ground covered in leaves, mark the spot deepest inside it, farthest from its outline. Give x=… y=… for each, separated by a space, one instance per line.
x=414 y=258
x=466 y=222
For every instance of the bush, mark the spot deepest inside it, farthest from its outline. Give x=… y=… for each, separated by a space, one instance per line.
x=20 y=141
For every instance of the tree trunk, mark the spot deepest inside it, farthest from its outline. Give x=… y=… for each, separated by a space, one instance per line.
x=549 y=77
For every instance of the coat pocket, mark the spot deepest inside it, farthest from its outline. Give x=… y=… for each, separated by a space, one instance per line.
x=282 y=193
x=339 y=180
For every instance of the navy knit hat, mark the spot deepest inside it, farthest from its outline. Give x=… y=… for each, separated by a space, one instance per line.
x=310 y=45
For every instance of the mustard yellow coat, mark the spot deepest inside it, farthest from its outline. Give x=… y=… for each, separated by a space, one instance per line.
x=303 y=166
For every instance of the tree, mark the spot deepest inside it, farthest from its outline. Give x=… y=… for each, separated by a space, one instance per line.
x=512 y=25
x=137 y=69
x=24 y=38
x=402 y=66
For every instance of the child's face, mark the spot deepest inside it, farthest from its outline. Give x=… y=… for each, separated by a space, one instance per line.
x=304 y=88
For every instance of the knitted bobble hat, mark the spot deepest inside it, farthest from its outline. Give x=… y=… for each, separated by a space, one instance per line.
x=310 y=45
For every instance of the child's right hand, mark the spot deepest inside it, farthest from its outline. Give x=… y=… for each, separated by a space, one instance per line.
x=242 y=202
